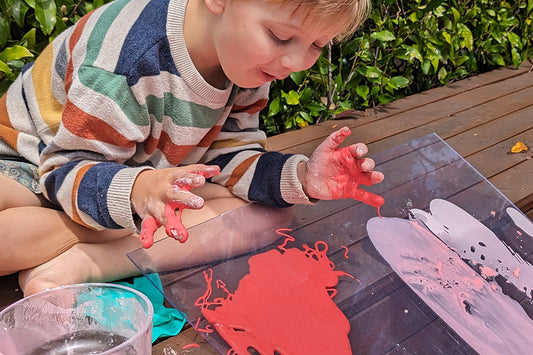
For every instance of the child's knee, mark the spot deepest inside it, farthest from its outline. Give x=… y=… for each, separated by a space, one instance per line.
x=14 y=194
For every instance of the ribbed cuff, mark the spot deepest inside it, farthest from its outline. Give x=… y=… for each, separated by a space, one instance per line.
x=291 y=188
x=119 y=197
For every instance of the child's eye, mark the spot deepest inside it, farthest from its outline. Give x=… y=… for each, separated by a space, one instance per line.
x=277 y=39
x=318 y=47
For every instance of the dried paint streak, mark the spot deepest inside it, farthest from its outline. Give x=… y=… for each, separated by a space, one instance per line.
x=192 y=345
x=474 y=242
x=283 y=305
x=479 y=312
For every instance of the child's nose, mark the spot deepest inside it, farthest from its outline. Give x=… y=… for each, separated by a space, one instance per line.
x=294 y=61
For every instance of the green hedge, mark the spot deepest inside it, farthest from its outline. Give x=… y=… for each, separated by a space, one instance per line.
x=27 y=26
x=404 y=48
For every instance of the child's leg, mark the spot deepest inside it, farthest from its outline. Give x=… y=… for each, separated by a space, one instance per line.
x=32 y=234
x=101 y=262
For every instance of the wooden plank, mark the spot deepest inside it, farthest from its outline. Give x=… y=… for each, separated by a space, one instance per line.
x=404 y=314
x=432 y=339
x=377 y=129
x=291 y=139
x=498 y=157
x=491 y=132
x=188 y=341
x=451 y=125
x=517 y=184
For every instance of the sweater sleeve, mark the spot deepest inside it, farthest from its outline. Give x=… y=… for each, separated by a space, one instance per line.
x=89 y=165
x=247 y=168
x=83 y=168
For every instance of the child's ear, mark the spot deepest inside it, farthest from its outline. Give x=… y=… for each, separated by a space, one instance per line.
x=216 y=6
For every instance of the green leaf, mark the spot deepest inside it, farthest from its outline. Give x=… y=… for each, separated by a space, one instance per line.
x=18 y=12
x=456 y=15
x=306 y=95
x=514 y=39
x=447 y=37
x=293 y=98
x=384 y=98
x=306 y=116
x=362 y=90
x=433 y=4
x=45 y=13
x=28 y=40
x=442 y=74
x=15 y=52
x=383 y=36
x=370 y=72
x=498 y=59
x=399 y=81
x=466 y=34
x=298 y=77
x=274 y=106
x=517 y=60
x=412 y=53
x=4 y=68
x=4 y=30
x=315 y=107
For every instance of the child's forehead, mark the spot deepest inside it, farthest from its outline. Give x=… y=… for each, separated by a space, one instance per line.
x=343 y=14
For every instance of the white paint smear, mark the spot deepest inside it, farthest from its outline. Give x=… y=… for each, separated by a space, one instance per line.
x=489 y=321
x=473 y=241
x=520 y=220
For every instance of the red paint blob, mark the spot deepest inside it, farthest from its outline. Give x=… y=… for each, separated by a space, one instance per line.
x=283 y=305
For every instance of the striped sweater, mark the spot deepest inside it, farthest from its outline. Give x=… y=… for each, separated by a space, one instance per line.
x=117 y=94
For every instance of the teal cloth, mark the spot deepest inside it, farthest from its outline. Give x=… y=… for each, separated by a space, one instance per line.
x=167 y=321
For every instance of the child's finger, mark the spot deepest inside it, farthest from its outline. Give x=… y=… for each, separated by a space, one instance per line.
x=335 y=139
x=368 y=198
x=149 y=226
x=174 y=226
x=358 y=150
x=186 y=198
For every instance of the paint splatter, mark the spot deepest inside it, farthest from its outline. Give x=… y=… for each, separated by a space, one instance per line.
x=191 y=345
x=345 y=251
x=476 y=243
x=488 y=320
x=283 y=305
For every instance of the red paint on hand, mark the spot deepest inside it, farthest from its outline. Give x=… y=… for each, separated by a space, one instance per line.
x=174 y=226
x=149 y=226
x=348 y=179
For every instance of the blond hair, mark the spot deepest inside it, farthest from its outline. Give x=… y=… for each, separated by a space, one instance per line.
x=352 y=12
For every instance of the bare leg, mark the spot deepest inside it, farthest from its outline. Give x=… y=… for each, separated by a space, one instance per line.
x=102 y=262
x=32 y=233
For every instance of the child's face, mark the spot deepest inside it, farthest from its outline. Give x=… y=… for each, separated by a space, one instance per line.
x=258 y=41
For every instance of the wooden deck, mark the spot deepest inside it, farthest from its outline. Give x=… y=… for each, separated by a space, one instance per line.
x=481 y=118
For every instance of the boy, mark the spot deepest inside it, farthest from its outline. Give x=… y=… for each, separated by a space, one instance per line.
x=140 y=102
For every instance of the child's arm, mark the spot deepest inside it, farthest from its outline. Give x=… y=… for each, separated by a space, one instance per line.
x=276 y=179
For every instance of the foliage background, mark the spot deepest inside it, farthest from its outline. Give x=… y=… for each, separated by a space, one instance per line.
x=403 y=48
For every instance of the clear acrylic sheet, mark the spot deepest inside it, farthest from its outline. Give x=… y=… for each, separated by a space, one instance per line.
x=385 y=314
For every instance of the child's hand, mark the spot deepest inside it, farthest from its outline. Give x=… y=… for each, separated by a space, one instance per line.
x=157 y=193
x=335 y=173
